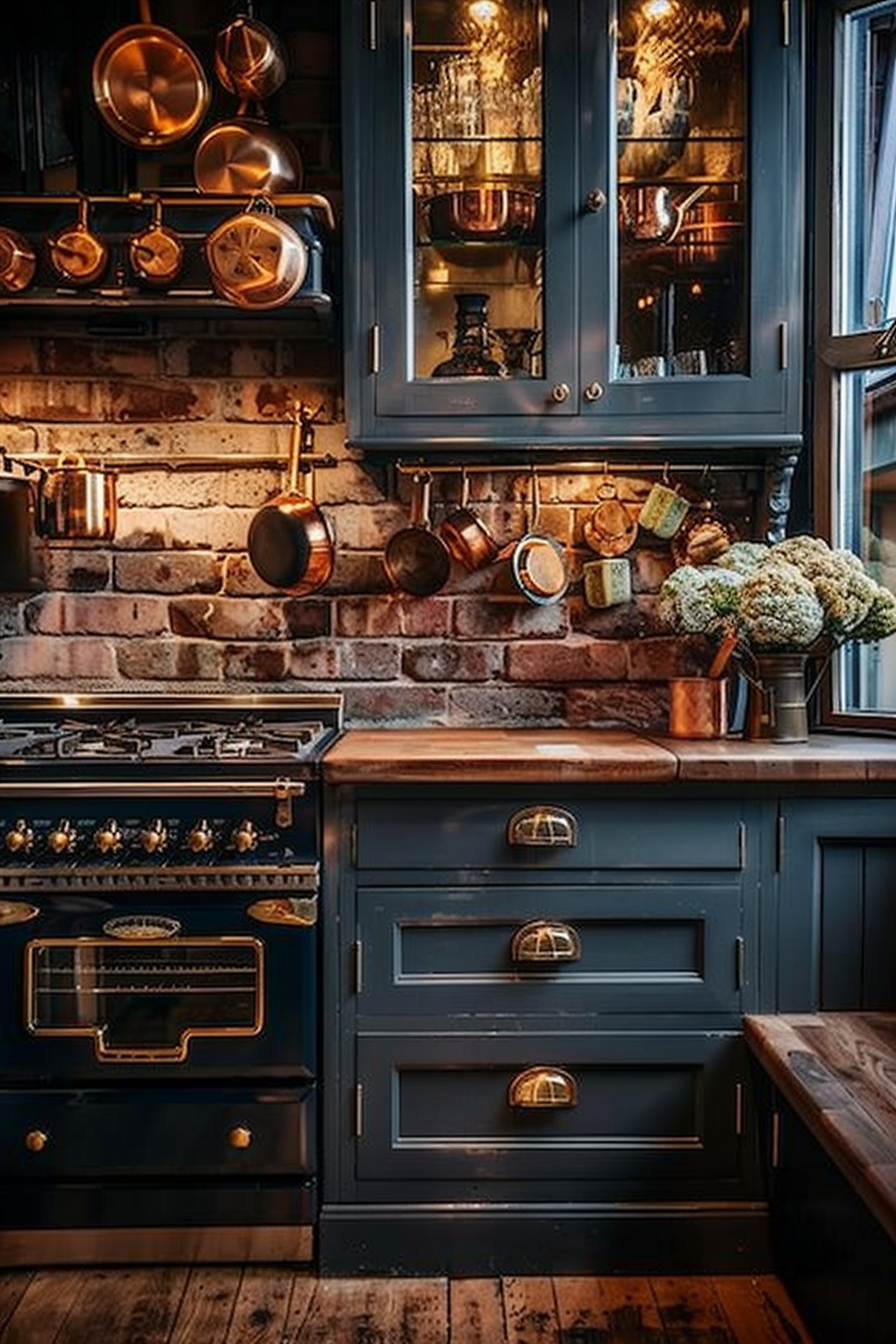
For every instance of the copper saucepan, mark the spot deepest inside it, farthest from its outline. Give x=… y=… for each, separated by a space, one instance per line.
x=466 y=535
x=18 y=261
x=78 y=256
x=148 y=85
x=256 y=260
x=249 y=57
x=290 y=544
x=156 y=254
x=416 y=559
x=77 y=502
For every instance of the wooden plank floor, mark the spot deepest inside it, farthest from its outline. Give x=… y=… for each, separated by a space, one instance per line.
x=271 y=1305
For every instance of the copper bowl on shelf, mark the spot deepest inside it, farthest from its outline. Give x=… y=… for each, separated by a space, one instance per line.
x=486 y=213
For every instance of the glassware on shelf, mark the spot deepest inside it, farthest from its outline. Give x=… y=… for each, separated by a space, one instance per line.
x=471 y=354
x=518 y=345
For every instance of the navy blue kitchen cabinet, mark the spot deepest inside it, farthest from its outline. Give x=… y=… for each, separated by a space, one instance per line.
x=573 y=224
x=837 y=909
x=532 y=1030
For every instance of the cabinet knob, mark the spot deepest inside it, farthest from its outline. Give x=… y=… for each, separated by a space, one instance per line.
x=36 y=1140
x=593 y=392
x=542 y=940
x=240 y=1137
x=595 y=200
x=543 y=1087
x=560 y=392
x=542 y=826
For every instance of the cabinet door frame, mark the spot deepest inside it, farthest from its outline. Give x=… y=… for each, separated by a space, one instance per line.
x=388 y=407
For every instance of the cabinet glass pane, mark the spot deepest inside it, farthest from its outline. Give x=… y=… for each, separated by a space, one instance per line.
x=682 y=189
x=477 y=186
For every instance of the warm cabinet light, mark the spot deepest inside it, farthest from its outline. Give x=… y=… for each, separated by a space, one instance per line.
x=484 y=11
x=657 y=9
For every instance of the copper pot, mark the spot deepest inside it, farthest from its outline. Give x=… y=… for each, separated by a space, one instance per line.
x=156 y=254
x=78 y=256
x=249 y=58
x=148 y=86
x=77 y=502
x=466 y=535
x=484 y=213
x=18 y=262
x=290 y=544
x=256 y=260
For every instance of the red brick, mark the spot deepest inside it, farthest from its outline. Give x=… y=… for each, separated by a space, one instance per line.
x=504 y=706
x=381 y=705
x=446 y=662
x=171 y=572
x=53 y=659
x=227 y=618
x=481 y=618
x=369 y=660
x=415 y=618
x=97 y=614
x=638 y=706
x=575 y=659
x=179 y=660
x=661 y=658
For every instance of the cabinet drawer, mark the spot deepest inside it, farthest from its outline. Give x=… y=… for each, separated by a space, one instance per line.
x=548 y=830
x=117 y=1131
x=582 y=949
x=663 y=1106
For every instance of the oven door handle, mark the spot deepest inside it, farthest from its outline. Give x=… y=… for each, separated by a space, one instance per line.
x=155 y=788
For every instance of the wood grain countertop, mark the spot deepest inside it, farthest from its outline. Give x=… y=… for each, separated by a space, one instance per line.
x=595 y=755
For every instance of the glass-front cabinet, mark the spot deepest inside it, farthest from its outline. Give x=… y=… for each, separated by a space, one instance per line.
x=573 y=221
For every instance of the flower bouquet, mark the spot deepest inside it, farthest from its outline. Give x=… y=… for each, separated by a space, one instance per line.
x=798 y=597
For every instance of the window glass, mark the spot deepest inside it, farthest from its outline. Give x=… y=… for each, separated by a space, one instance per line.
x=855 y=428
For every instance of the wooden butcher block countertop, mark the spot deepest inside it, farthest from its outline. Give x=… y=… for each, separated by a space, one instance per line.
x=595 y=755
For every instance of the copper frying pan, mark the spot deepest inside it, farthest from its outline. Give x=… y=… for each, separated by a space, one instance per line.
x=290 y=544
x=148 y=85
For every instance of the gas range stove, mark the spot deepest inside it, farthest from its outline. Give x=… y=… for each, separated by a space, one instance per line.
x=56 y=736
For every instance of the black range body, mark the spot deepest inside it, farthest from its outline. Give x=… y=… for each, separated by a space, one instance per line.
x=159 y=875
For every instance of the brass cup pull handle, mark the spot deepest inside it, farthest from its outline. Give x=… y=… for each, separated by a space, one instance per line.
x=542 y=826
x=240 y=1137
x=541 y=940
x=543 y=1087
x=36 y=1140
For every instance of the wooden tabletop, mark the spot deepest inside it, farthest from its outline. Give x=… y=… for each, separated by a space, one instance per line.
x=532 y=755
x=838 y=1072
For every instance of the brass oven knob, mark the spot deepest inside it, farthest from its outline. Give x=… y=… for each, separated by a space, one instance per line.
x=62 y=838
x=108 y=838
x=36 y=1140
x=20 y=838
x=240 y=1137
x=245 y=837
x=200 y=837
x=154 y=836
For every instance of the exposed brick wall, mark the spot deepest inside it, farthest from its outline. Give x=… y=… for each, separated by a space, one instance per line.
x=173 y=600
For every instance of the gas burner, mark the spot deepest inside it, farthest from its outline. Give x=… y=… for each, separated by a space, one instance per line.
x=260 y=730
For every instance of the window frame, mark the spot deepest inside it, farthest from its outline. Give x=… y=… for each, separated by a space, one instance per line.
x=834 y=354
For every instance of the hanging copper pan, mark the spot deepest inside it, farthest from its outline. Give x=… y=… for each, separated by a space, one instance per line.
x=78 y=256
x=245 y=156
x=256 y=260
x=249 y=57
x=290 y=544
x=148 y=85
x=156 y=254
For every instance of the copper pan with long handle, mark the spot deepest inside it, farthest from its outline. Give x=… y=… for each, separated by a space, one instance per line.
x=290 y=544
x=148 y=85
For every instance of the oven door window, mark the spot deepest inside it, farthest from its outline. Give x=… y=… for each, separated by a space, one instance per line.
x=144 y=999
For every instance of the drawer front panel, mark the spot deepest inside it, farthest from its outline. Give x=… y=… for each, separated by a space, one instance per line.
x=584 y=833
x=645 y=1108
x=572 y=949
x=116 y=1131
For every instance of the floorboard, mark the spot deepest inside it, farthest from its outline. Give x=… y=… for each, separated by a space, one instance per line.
x=261 y=1304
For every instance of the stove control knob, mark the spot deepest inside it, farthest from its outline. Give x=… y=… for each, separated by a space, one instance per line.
x=244 y=837
x=36 y=1140
x=20 y=838
x=154 y=837
x=108 y=838
x=200 y=837
x=240 y=1137
x=62 y=838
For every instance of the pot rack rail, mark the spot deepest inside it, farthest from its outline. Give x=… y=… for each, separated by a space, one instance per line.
x=174 y=200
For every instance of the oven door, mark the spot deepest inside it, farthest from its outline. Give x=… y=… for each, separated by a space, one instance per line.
x=207 y=988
